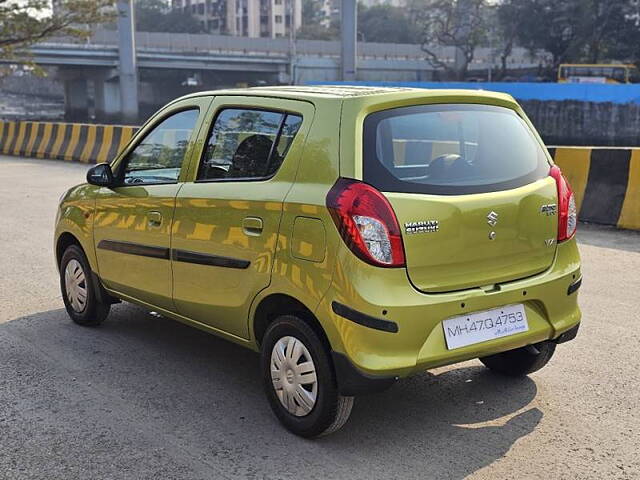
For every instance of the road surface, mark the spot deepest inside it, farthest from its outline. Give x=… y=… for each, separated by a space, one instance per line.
x=145 y=397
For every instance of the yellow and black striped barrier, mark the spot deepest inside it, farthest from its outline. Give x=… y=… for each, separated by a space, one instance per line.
x=605 y=181
x=73 y=142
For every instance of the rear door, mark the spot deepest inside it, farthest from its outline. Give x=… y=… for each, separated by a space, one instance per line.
x=227 y=219
x=470 y=187
x=133 y=219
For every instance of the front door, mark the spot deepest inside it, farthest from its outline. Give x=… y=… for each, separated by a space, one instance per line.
x=133 y=220
x=227 y=219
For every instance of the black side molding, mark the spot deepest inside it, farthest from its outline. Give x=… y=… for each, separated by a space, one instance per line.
x=363 y=319
x=574 y=286
x=353 y=382
x=134 y=249
x=177 y=255
x=206 y=259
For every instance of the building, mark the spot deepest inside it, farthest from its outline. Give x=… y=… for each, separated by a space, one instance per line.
x=248 y=18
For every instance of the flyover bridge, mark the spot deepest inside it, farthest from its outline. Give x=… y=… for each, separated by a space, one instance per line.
x=90 y=68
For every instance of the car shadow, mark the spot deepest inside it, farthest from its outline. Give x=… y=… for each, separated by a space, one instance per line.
x=148 y=384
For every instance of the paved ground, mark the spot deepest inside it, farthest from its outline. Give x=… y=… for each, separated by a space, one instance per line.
x=144 y=397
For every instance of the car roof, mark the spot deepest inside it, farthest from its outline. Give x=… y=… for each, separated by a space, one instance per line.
x=353 y=92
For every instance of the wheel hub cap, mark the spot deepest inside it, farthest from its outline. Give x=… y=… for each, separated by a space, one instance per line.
x=293 y=374
x=75 y=285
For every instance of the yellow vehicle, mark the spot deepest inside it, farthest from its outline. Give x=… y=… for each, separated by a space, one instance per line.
x=595 y=73
x=350 y=235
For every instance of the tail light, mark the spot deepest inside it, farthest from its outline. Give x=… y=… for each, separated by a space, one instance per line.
x=567 y=212
x=366 y=223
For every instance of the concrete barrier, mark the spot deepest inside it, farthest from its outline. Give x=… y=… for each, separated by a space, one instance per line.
x=74 y=142
x=606 y=181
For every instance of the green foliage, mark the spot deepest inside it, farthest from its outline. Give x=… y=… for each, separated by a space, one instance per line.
x=387 y=24
x=572 y=31
x=30 y=21
x=158 y=16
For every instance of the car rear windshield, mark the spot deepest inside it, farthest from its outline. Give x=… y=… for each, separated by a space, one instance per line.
x=450 y=150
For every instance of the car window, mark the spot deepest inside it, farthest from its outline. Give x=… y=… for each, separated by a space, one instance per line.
x=241 y=144
x=159 y=156
x=450 y=149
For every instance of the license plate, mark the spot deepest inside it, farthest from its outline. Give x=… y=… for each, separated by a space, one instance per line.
x=482 y=326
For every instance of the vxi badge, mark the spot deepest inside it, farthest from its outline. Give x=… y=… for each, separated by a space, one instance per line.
x=425 y=226
x=549 y=209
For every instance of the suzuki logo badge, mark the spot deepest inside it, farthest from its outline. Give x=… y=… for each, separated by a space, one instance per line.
x=492 y=218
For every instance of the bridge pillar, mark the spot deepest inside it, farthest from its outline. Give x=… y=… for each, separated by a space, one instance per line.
x=348 y=31
x=107 y=99
x=76 y=99
x=127 y=62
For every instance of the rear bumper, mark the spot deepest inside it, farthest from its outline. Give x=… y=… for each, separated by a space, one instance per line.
x=353 y=382
x=362 y=298
x=568 y=335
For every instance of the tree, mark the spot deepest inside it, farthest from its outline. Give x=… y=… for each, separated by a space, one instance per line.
x=600 y=28
x=25 y=23
x=158 y=16
x=452 y=23
x=387 y=24
x=570 y=30
x=507 y=23
x=625 y=44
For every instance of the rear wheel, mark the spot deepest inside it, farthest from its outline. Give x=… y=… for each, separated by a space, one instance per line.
x=79 y=294
x=521 y=361
x=299 y=381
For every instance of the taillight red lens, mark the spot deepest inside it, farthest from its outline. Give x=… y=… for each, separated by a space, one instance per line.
x=366 y=223
x=567 y=212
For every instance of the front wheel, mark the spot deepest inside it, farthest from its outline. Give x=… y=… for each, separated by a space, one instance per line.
x=82 y=301
x=521 y=361
x=299 y=381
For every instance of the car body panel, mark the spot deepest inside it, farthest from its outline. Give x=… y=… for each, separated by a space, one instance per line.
x=301 y=279
x=75 y=217
x=132 y=225
x=419 y=342
x=215 y=218
x=295 y=262
x=466 y=250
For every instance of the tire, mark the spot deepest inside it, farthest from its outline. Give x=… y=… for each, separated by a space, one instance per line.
x=81 y=299
x=521 y=361
x=286 y=346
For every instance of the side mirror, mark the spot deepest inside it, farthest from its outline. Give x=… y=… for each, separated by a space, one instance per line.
x=100 y=175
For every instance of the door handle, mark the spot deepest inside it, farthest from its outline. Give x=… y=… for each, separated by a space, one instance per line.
x=154 y=219
x=252 y=226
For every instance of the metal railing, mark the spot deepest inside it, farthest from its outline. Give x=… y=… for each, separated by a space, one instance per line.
x=280 y=47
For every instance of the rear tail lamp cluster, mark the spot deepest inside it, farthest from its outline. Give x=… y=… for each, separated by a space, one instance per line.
x=567 y=212
x=366 y=223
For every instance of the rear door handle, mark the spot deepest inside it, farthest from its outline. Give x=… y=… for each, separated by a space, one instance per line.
x=154 y=218
x=252 y=226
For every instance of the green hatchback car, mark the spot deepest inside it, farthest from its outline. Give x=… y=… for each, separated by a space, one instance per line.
x=351 y=235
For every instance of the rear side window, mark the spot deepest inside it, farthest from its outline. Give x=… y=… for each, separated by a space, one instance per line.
x=450 y=150
x=247 y=144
